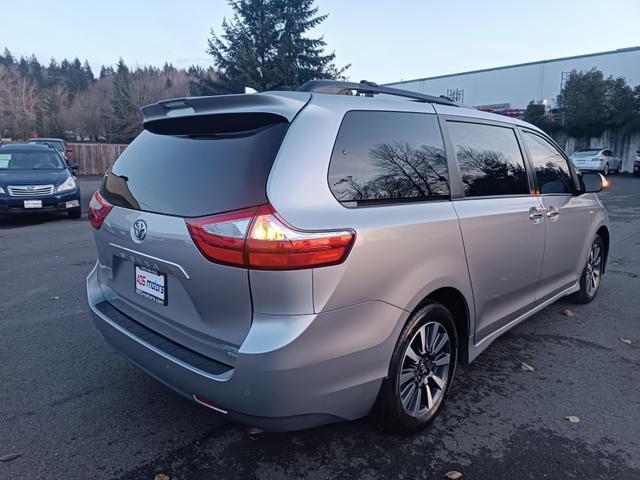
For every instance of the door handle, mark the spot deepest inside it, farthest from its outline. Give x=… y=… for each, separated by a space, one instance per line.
x=553 y=214
x=536 y=215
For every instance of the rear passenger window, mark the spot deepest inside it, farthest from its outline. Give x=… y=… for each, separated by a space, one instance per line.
x=489 y=158
x=552 y=171
x=388 y=157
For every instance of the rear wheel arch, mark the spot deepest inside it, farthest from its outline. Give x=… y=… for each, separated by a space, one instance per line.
x=457 y=304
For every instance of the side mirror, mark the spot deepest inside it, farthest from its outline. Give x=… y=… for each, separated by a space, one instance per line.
x=593 y=182
x=74 y=166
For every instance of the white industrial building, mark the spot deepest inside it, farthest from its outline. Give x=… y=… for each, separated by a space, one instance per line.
x=514 y=86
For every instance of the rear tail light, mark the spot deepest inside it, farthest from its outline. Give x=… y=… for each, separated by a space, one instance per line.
x=257 y=238
x=99 y=208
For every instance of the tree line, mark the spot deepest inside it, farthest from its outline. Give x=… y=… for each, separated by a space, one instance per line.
x=588 y=104
x=265 y=45
x=66 y=100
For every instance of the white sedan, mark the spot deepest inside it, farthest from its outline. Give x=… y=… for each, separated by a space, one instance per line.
x=600 y=160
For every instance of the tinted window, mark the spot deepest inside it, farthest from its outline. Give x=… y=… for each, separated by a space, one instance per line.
x=489 y=158
x=52 y=143
x=586 y=153
x=552 y=171
x=388 y=156
x=192 y=176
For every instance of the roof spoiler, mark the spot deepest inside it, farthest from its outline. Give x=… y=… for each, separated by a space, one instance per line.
x=284 y=104
x=340 y=88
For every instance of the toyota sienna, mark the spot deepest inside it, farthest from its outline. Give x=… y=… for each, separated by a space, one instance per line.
x=290 y=259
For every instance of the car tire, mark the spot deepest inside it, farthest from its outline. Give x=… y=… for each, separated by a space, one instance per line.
x=619 y=169
x=420 y=373
x=605 y=172
x=591 y=277
x=75 y=212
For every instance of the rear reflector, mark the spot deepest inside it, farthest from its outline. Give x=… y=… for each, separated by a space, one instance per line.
x=99 y=208
x=258 y=238
x=208 y=403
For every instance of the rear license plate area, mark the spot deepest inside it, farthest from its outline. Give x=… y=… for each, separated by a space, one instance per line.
x=151 y=284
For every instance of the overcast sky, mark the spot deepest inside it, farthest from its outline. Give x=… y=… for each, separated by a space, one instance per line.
x=384 y=41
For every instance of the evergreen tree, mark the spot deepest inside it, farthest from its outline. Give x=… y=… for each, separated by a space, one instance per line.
x=105 y=72
x=125 y=115
x=244 y=53
x=36 y=71
x=88 y=73
x=54 y=75
x=23 y=67
x=300 y=58
x=265 y=47
x=6 y=58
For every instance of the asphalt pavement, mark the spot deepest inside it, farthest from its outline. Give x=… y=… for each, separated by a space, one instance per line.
x=71 y=408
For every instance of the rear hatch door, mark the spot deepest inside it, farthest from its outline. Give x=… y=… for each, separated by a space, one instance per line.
x=196 y=157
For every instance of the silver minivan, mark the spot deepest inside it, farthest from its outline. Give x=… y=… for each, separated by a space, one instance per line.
x=290 y=259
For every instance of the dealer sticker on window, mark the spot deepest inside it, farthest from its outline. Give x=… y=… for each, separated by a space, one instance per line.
x=5 y=158
x=151 y=285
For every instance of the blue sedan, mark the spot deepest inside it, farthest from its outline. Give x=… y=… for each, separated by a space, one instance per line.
x=35 y=178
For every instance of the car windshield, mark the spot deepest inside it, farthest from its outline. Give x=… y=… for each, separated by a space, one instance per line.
x=52 y=143
x=586 y=153
x=30 y=161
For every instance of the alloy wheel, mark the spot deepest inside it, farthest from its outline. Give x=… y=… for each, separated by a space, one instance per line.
x=424 y=371
x=593 y=270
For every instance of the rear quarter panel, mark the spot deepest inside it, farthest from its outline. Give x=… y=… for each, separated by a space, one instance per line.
x=402 y=252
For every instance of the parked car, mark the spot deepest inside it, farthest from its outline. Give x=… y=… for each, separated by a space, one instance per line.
x=636 y=165
x=35 y=178
x=600 y=160
x=290 y=259
x=58 y=143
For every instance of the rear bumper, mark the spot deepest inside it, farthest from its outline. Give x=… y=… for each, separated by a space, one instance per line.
x=292 y=372
x=50 y=203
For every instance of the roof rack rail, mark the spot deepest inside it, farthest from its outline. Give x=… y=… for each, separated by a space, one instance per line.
x=336 y=87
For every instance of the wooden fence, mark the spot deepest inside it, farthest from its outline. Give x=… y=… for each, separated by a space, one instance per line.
x=95 y=158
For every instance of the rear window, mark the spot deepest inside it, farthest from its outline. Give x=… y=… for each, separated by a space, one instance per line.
x=196 y=175
x=383 y=157
x=586 y=153
x=52 y=143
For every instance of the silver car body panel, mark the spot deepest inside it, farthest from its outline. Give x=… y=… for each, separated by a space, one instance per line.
x=305 y=347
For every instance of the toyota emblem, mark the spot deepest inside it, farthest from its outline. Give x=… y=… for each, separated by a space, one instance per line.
x=139 y=230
